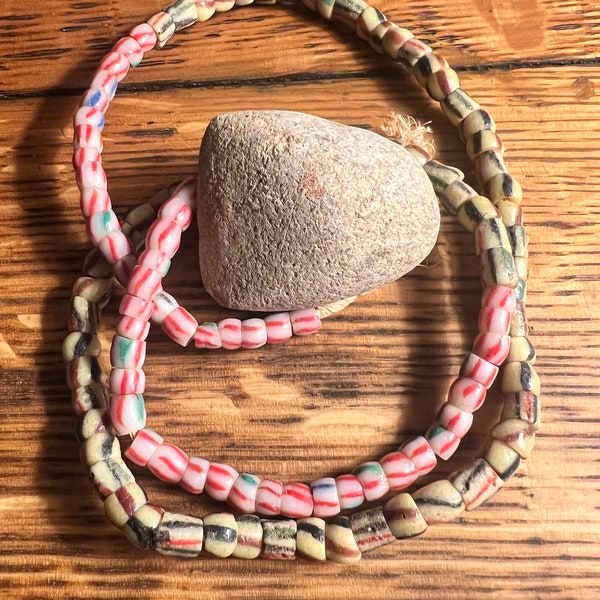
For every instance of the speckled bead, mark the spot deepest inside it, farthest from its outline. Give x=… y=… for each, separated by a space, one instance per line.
x=122 y=504
x=399 y=470
x=479 y=121
x=524 y=406
x=439 y=502
x=476 y=368
x=370 y=529
x=421 y=454
x=305 y=322
x=373 y=480
x=458 y=105
x=279 y=539
x=268 y=497
x=456 y=421
x=254 y=333
x=520 y=377
x=242 y=494
x=230 y=331
x=78 y=344
x=207 y=336
x=141 y=528
x=127 y=381
x=180 y=326
x=296 y=500
x=250 y=535
x=503 y=186
x=340 y=544
x=93 y=290
x=110 y=475
x=475 y=210
x=350 y=491
x=476 y=483
x=279 y=328
x=310 y=539
x=219 y=480
x=443 y=442
x=403 y=517
x=455 y=195
x=91 y=422
x=325 y=497
x=517 y=434
x=492 y=347
x=84 y=370
x=90 y=396
x=502 y=458
x=220 y=534
x=466 y=394
x=518 y=323
x=144 y=445
x=179 y=535
x=168 y=463
x=491 y=233
x=194 y=476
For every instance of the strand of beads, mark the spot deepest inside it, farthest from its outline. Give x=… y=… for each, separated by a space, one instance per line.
x=344 y=538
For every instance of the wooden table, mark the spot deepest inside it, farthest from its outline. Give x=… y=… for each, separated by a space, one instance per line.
x=377 y=373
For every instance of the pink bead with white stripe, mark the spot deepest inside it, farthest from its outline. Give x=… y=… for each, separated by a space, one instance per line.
x=268 y=497
x=127 y=413
x=474 y=367
x=254 y=333
x=279 y=328
x=230 y=331
x=243 y=493
x=127 y=381
x=350 y=491
x=296 y=500
x=168 y=463
x=180 y=326
x=325 y=497
x=305 y=321
x=219 y=481
x=207 y=336
x=399 y=470
x=492 y=347
x=421 y=454
x=144 y=445
x=466 y=393
x=194 y=476
x=456 y=421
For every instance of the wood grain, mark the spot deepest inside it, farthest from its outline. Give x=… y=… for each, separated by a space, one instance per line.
x=378 y=371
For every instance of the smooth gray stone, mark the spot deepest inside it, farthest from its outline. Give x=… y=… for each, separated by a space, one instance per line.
x=296 y=211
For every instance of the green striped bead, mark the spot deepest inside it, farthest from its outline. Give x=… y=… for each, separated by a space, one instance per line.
x=498 y=268
x=279 y=539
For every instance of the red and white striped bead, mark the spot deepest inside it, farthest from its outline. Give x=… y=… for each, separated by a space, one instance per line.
x=194 y=476
x=177 y=210
x=127 y=413
x=492 y=347
x=115 y=63
x=144 y=445
x=207 y=336
x=144 y=283
x=180 y=326
x=130 y=49
x=164 y=304
x=475 y=367
x=443 y=442
x=132 y=306
x=100 y=224
x=373 y=480
x=168 y=463
x=90 y=174
x=134 y=329
x=456 y=421
x=279 y=327
x=494 y=320
x=421 y=454
x=350 y=491
x=499 y=296
x=93 y=200
x=127 y=381
x=305 y=321
x=399 y=470
x=165 y=236
x=219 y=480
x=155 y=259
x=254 y=333
x=87 y=136
x=144 y=35
x=268 y=497
x=115 y=246
x=325 y=497
x=243 y=492
x=466 y=393
x=230 y=331
x=296 y=500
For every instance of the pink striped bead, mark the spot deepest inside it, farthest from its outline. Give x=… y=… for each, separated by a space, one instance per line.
x=87 y=136
x=373 y=480
x=164 y=236
x=207 y=336
x=254 y=333
x=130 y=49
x=126 y=353
x=178 y=211
x=268 y=497
x=127 y=413
x=399 y=470
x=100 y=224
x=296 y=500
x=492 y=347
x=155 y=259
x=305 y=321
x=115 y=246
x=106 y=81
x=421 y=454
x=494 y=320
x=132 y=306
x=93 y=201
x=164 y=304
x=219 y=481
x=82 y=155
x=243 y=493
x=132 y=328
x=144 y=35
x=144 y=283
x=127 y=381
x=194 y=476
x=168 y=463
x=90 y=174
x=89 y=115
x=116 y=64
x=442 y=442
x=123 y=268
x=456 y=421
x=499 y=296
x=350 y=492
x=474 y=367
x=97 y=98
x=279 y=328
x=230 y=331
x=325 y=498
x=180 y=326
x=466 y=393
x=144 y=445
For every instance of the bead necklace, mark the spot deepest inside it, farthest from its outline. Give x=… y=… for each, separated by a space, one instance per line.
x=116 y=408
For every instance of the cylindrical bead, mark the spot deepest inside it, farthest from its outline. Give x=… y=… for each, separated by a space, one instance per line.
x=155 y=259
x=305 y=321
x=399 y=470
x=123 y=503
x=133 y=329
x=164 y=236
x=502 y=458
x=373 y=480
x=144 y=445
x=180 y=326
x=230 y=331
x=127 y=381
x=132 y=306
x=144 y=283
x=127 y=413
x=80 y=344
x=518 y=434
x=443 y=442
x=370 y=529
x=492 y=347
x=420 y=453
x=503 y=186
x=475 y=367
x=93 y=290
x=439 y=502
x=110 y=475
x=296 y=500
x=207 y=336
x=84 y=316
x=350 y=491
x=458 y=105
x=428 y=65
x=126 y=353
x=403 y=517
x=521 y=350
x=482 y=141
x=180 y=535
x=254 y=333
x=194 y=476
x=84 y=398
x=242 y=494
x=475 y=210
x=168 y=463
x=476 y=483
x=524 y=406
x=310 y=538
x=491 y=233
x=456 y=421
x=455 y=195
x=279 y=539
x=442 y=83
x=141 y=528
x=130 y=49
x=325 y=497
x=279 y=327
x=268 y=497
x=91 y=422
x=99 y=447
x=164 y=304
x=488 y=165
x=250 y=535
x=145 y=36
x=340 y=544
x=494 y=320
x=220 y=534
x=518 y=323
x=477 y=121
x=498 y=268
x=219 y=480
x=520 y=377
x=84 y=370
